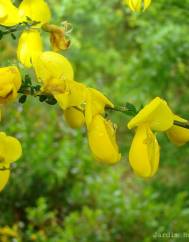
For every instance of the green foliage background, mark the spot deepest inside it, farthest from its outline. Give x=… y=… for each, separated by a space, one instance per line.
x=57 y=192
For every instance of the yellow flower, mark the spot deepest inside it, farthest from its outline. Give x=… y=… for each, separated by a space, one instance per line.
x=10 y=82
x=157 y=114
x=74 y=117
x=73 y=94
x=53 y=67
x=8 y=13
x=29 y=47
x=4 y=177
x=30 y=43
x=136 y=5
x=10 y=151
x=178 y=135
x=56 y=74
x=144 y=153
x=36 y=10
x=102 y=140
x=95 y=104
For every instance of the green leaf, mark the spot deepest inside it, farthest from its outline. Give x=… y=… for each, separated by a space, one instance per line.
x=132 y=111
x=1 y=34
x=37 y=88
x=51 y=100
x=13 y=36
x=42 y=98
x=27 y=80
x=22 y=99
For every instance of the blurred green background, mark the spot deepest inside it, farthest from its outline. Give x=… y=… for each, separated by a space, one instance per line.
x=57 y=191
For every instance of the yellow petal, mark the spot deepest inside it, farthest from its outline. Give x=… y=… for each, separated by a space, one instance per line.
x=3 y=12
x=178 y=135
x=144 y=152
x=4 y=177
x=95 y=104
x=74 y=117
x=36 y=10
x=146 y=4
x=157 y=114
x=10 y=149
x=8 y=13
x=50 y=65
x=29 y=47
x=13 y=149
x=73 y=95
x=10 y=82
x=102 y=140
x=135 y=5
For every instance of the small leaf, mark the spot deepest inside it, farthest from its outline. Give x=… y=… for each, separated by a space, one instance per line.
x=1 y=34
x=32 y=90
x=28 y=18
x=131 y=109
x=22 y=99
x=51 y=100
x=42 y=98
x=37 y=88
x=141 y=107
x=27 y=80
x=13 y=36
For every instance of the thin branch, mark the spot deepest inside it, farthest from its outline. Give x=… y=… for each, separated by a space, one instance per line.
x=26 y=25
x=28 y=89
x=182 y=124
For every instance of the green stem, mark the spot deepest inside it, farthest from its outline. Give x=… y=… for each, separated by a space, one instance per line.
x=5 y=30
x=121 y=109
x=128 y=109
x=182 y=124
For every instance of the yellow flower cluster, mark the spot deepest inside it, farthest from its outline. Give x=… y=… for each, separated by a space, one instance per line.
x=136 y=5
x=145 y=152
x=30 y=43
x=81 y=105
